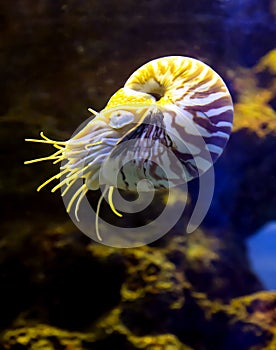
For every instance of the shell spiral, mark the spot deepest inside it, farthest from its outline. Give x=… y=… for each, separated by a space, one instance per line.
x=197 y=91
x=170 y=108
x=190 y=111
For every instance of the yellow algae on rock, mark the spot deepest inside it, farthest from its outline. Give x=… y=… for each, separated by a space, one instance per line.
x=44 y=337
x=267 y=62
x=256 y=89
x=159 y=342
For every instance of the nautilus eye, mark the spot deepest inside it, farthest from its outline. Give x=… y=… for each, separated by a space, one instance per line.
x=119 y=119
x=170 y=108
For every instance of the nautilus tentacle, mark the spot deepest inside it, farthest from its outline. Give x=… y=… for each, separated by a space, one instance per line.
x=172 y=107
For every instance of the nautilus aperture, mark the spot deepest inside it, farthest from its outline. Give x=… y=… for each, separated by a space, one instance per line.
x=167 y=125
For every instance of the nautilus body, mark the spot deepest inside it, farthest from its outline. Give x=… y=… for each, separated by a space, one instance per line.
x=168 y=124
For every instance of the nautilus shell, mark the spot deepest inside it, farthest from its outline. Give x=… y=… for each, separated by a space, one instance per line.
x=168 y=124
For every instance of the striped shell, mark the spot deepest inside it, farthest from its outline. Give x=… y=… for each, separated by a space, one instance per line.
x=198 y=93
x=188 y=109
x=172 y=108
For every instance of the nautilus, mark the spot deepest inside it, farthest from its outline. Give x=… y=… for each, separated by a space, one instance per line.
x=170 y=108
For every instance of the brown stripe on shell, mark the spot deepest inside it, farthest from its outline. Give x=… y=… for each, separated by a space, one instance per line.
x=205 y=93
x=215 y=140
x=197 y=85
x=226 y=116
x=187 y=76
x=186 y=137
x=205 y=122
x=186 y=159
x=215 y=104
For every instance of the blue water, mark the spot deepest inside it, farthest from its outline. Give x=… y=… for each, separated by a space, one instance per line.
x=262 y=254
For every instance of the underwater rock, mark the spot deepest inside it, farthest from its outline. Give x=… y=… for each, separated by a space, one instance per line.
x=241 y=201
x=179 y=293
x=55 y=283
x=253 y=322
x=43 y=336
x=127 y=297
x=214 y=263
